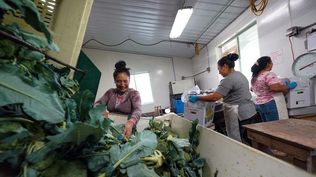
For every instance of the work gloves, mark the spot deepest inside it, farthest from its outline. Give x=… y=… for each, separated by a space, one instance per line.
x=193 y=98
x=291 y=85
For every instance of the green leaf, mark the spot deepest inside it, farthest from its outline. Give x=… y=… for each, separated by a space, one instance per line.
x=31 y=15
x=66 y=169
x=38 y=104
x=96 y=163
x=84 y=102
x=30 y=54
x=48 y=161
x=76 y=134
x=180 y=142
x=71 y=114
x=30 y=172
x=194 y=134
x=6 y=127
x=4 y=6
x=12 y=157
x=140 y=170
x=7 y=48
x=95 y=115
x=142 y=145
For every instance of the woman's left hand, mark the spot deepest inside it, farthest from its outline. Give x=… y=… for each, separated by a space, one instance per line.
x=128 y=129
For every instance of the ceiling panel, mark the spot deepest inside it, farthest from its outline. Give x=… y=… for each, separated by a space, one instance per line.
x=150 y=21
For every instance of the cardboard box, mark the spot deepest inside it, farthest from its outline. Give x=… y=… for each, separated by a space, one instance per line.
x=201 y=110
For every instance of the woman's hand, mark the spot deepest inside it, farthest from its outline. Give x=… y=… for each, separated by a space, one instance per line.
x=193 y=98
x=106 y=114
x=128 y=129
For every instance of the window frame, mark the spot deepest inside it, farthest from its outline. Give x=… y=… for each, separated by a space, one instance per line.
x=151 y=101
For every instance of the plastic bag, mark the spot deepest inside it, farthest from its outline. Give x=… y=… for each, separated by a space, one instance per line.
x=193 y=91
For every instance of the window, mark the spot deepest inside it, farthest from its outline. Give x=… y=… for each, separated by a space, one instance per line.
x=141 y=83
x=246 y=44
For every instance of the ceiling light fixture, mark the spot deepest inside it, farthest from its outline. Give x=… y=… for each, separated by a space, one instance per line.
x=182 y=18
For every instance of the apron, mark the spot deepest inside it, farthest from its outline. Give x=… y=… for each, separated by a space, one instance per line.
x=231 y=121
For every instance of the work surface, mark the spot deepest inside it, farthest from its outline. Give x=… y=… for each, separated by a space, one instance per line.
x=300 y=132
x=295 y=137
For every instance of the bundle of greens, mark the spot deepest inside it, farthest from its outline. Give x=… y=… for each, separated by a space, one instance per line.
x=49 y=129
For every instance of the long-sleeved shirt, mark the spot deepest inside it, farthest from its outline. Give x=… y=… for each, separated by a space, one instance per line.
x=126 y=103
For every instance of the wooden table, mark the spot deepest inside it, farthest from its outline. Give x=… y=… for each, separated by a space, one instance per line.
x=295 y=137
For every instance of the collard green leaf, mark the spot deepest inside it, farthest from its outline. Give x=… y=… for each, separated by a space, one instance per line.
x=84 y=102
x=48 y=161
x=31 y=54
x=140 y=170
x=142 y=145
x=64 y=168
x=31 y=15
x=8 y=126
x=95 y=115
x=4 y=6
x=194 y=134
x=13 y=139
x=96 y=163
x=7 y=49
x=30 y=172
x=180 y=142
x=12 y=157
x=38 y=104
x=71 y=113
x=76 y=134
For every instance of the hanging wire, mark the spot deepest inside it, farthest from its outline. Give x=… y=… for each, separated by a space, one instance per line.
x=257 y=8
x=142 y=44
x=291 y=46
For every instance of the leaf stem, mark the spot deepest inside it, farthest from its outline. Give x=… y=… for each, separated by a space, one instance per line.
x=138 y=145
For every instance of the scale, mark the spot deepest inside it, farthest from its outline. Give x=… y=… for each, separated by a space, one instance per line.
x=301 y=100
x=305 y=65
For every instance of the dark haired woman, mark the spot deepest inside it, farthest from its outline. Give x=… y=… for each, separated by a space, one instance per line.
x=234 y=89
x=264 y=84
x=122 y=99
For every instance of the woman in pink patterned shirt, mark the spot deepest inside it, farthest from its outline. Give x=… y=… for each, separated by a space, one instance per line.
x=264 y=84
x=122 y=99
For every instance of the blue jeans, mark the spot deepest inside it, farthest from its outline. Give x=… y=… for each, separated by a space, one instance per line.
x=268 y=111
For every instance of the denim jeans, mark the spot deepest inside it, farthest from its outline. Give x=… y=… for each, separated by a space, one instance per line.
x=268 y=111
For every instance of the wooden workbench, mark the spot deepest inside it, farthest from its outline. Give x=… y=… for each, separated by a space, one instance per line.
x=295 y=137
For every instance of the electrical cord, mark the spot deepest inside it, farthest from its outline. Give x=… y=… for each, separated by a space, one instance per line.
x=292 y=51
x=120 y=43
x=258 y=8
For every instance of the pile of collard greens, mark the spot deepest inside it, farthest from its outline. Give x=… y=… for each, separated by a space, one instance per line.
x=49 y=129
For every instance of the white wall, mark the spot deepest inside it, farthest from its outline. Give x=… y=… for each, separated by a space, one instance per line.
x=272 y=24
x=182 y=67
x=160 y=69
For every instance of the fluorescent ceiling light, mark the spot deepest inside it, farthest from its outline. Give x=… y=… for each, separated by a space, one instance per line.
x=180 y=22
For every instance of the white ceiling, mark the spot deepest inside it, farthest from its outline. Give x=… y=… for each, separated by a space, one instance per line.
x=149 y=22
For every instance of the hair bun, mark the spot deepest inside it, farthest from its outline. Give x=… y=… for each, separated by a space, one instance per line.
x=232 y=56
x=120 y=65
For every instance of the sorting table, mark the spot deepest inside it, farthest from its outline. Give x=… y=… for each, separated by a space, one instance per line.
x=295 y=137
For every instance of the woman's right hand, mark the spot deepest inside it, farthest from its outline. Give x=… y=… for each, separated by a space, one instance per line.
x=291 y=85
x=193 y=98
x=106 y=114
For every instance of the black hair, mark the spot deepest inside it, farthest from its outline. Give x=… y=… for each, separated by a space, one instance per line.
x=260 y=65
x=229 y=60
x=120 y=67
